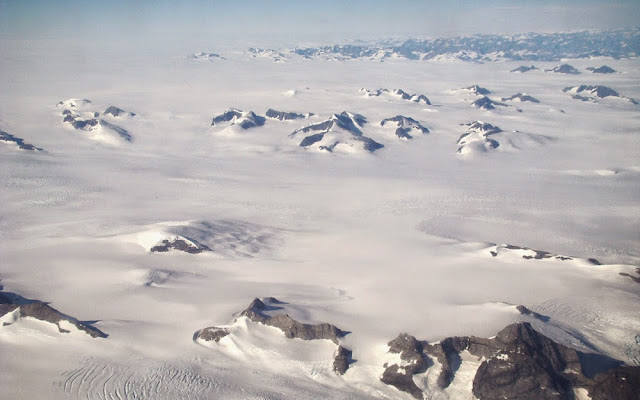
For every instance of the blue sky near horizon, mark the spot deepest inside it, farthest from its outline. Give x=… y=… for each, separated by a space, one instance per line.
x=348 y=18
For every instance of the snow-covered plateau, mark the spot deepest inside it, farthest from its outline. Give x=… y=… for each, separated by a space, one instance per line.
x=148 y=198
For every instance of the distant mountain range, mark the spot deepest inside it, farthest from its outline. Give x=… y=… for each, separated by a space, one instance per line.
x=474 y=48
x=491 y=47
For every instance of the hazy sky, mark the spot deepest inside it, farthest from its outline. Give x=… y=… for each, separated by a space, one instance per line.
x=140 y=19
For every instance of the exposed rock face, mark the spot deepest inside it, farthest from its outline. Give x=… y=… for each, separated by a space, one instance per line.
x=414 y=362
x=206 y=56
x=7 y=137
x=116 y=112
x=181 y=245
x=74 y=103
x=477 y=90
x=212 y=333
x=523 y=69
x=43 y=312
x=285 y=116
x=524 y=364
x=486 y=103
x=477 y=138
x=416 y=98
x=521 y=97
x=342 y=360
x=564 y=69
x=291 y=328
x=525 y=311
x=246 y=120
x=636 y=279
x=519 y=363
x=622 y=383
x=267 y=53
x=405 y=126
x=80 y=122
x=602 y=70
x=530 y=254
x=340 y=128
x=598 y=91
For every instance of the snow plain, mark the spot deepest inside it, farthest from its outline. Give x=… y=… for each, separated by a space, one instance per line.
x=376 y=244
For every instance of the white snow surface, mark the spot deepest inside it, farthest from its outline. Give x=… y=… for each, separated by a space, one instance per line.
x=376 y=244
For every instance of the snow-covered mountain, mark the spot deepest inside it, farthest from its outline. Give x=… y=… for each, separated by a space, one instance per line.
x=340 y=133
x=489 y=48
x=592 y=93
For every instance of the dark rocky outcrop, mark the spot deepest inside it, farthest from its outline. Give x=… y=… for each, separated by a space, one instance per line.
x=342 y=359
x=206 y=56
x=523 y=69
x=598 y=90
x=622 y=383
x=525 y=311
x=416 y=98
x=7 y=137
x=521 y=97
x=116 y=112
x=536 y=254
x=39 y=310
x=212 y=333
x=345 y=123
x=518 y=363
x=405 y=126
x=564 y=69
x=246 y=120
x=285 y=116
x=191 y=247
x=414 y=362
x=89 y=124
x=636 y=279
x=486 y=103
x=257 y=312
x=602 y=70
x=477 y=90
x=477 y=137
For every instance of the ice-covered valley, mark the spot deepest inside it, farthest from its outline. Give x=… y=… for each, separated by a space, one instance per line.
x=154 y=226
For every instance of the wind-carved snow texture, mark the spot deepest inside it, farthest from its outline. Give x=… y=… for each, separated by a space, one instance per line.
x=341 y=132
x=245 y=120
x=415 y=98
x=77 y=114
x=518 y=363
x=405 y=125
x=9 y=138
x=102 y=379
x=224 y=237
x=590 y=93
x=19 y=308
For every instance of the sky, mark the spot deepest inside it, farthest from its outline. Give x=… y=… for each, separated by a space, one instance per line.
x=349 y=19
